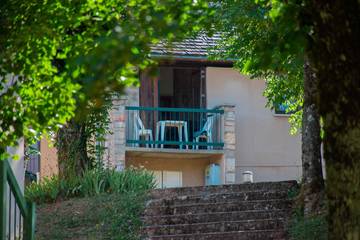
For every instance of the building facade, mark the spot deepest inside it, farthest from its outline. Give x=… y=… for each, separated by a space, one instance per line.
x=195 y=121
x=192 y=115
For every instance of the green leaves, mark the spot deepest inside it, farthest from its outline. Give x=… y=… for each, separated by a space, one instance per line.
x=267 y=42
x=66 y=53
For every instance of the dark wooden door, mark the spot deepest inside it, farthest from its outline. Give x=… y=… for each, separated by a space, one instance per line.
x=187 y=87
x=189 y=92
x=149 y=97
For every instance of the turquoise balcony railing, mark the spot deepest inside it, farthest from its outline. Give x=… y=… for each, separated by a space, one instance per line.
x=177 y=128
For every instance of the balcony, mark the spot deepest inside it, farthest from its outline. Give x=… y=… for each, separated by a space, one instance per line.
x=176 y=130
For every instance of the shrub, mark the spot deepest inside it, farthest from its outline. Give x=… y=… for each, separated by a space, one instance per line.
x=47 y=191
x=92 y=182
x=131 y=180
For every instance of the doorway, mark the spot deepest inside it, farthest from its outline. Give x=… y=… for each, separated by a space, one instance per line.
x=183 y=90
x=182 y=87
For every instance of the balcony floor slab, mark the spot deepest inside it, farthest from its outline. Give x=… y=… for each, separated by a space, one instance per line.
x=172 y=153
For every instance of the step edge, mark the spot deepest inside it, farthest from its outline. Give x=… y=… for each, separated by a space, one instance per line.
x=217 y=222
x=194 y=196
x=287 y=182
x=215 y=233
x=246 y=211
x=176 y=205
x=227 y=202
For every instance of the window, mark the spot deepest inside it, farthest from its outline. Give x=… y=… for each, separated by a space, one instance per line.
x=281 y=109
x=167 y=179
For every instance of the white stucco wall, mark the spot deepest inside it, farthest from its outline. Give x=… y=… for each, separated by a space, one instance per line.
x=263 y=143
x=18 y=165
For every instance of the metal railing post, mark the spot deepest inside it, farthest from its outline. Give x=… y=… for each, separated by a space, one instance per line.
x=3 y=195
x=27 y=210
x=30 y=222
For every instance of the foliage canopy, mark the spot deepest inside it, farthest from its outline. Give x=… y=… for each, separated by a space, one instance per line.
x=266 y=47
x=55 y=54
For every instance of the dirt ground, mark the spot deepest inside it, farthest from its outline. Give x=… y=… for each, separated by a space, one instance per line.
x=100 y=217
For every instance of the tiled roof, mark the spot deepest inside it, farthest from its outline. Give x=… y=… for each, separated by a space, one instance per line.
x=196 y=47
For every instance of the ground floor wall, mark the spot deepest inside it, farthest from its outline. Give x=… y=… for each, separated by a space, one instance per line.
x=192 y=169
x=270 y=173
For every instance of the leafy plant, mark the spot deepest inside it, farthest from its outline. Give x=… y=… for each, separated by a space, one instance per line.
x=91 y=183
x=47 y=191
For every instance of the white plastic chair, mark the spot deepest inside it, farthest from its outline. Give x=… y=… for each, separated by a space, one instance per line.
x=205 y=132
x=141 y=131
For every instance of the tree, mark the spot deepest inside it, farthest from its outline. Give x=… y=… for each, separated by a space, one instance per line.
x=313 y=183
x=101 y=41
x=77 y=142
x=334 y=49
x=332 y=45
x=263 y=48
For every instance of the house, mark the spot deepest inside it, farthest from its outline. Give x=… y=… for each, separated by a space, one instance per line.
x=197 y=115
x=192 y=117
x=42 y=161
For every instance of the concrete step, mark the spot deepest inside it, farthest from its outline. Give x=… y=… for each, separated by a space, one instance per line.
x=231 y=188
x=214 y=217
x=210 y=227
x=257 y=211
x=236 y=235
x=219 y=197
x=229 y=206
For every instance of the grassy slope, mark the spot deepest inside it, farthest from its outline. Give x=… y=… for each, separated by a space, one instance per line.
x=108 y=216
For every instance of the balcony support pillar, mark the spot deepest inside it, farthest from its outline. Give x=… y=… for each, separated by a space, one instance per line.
x=229 y=158
x=115 y=143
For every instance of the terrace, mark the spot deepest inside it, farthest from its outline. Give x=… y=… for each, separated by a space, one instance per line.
x=161 y=129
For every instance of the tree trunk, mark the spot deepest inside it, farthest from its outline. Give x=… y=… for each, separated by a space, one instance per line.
x=335 y=52
x=71 y=146
x=313 y=182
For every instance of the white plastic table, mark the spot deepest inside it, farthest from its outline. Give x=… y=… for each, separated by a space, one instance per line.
x=180 y=125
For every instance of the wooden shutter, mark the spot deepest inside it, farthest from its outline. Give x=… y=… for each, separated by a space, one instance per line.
x=149 y=96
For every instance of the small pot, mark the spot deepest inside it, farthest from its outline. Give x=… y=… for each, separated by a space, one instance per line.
x=248 y=177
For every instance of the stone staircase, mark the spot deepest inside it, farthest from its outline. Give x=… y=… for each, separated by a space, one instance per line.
x=228 y=212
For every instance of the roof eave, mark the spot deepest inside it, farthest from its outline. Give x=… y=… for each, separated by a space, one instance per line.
x=189 y=58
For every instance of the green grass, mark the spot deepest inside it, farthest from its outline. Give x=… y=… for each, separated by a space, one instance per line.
x=105 y=216
x=311 y=228
x=307 y=228
x=101 y=204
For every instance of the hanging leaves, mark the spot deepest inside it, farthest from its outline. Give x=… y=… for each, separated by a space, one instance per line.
x=62 y=53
